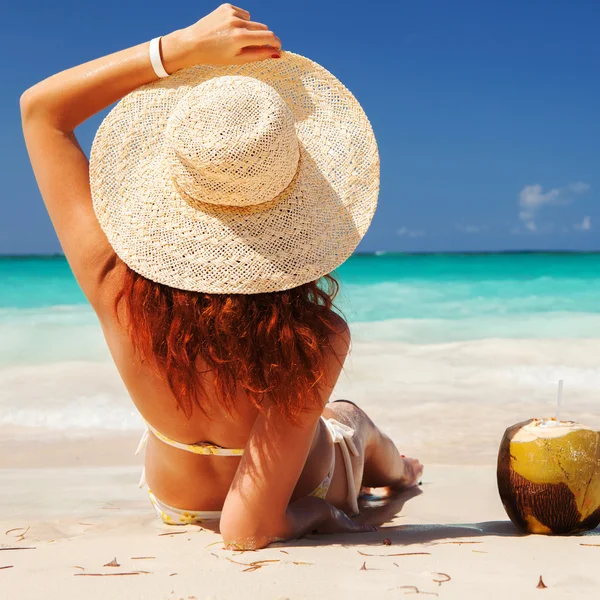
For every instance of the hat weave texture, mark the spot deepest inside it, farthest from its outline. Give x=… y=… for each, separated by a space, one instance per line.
x=236 y=179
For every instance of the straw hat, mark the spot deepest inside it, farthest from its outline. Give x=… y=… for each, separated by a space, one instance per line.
x=236 y=179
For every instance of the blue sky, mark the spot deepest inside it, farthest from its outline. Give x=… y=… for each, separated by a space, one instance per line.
x=486 y=112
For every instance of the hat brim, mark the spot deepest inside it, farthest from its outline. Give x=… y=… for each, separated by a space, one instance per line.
x=306 y=234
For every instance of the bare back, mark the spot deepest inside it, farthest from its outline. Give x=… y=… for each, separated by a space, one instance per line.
x=178 y=477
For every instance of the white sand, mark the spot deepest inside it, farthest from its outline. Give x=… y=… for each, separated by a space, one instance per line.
x=82 y=518
x=448 y=404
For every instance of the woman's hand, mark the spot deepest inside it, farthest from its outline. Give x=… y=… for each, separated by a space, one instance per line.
x=224 y=37
x=303 y=516
x=339 y=522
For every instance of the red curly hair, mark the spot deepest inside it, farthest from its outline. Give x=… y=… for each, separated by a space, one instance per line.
x=272 y=345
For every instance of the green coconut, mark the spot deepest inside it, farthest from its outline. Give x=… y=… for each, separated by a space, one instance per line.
x=549 y=476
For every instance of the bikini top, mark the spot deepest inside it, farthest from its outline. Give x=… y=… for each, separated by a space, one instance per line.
x=204 y=448
x=208 y=449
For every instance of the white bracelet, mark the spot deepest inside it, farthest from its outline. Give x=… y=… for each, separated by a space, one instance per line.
x=155 y=59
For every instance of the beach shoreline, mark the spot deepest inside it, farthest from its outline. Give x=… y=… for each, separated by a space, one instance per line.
x=443 y=403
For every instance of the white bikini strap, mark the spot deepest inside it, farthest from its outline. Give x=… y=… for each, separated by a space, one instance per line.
x=342 y=434
x=141 y=447
x=142 y=482
x=203 y=449
x=143 y=442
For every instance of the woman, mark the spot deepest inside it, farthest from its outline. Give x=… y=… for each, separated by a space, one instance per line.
x=214 y=201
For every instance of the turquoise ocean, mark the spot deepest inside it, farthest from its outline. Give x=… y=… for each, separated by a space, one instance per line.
x=52 y=353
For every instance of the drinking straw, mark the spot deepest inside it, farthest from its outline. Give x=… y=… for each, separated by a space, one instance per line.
x=559 y=400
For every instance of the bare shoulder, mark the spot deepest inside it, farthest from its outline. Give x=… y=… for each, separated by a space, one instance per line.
x=340 y=339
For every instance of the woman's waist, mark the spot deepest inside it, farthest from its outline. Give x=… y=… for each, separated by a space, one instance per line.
x=202 y=482
x=195 y=482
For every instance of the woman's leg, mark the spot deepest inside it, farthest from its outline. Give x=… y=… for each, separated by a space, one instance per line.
x=378 y=464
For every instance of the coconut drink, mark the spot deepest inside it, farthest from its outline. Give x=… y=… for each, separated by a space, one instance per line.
x=549 y=476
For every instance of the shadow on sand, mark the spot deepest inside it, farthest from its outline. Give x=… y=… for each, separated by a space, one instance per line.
x=378 y=511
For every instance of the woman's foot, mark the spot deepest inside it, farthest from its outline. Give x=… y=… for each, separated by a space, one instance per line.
x=412 y=473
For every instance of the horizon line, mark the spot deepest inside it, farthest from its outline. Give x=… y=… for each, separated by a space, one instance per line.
x=378 y=253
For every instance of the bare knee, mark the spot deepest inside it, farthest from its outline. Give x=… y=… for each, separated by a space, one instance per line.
x=349 y=413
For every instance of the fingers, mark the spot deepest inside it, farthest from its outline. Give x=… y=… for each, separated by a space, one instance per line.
x=352 y=527
x=358 y=526
x=255 y=53
x=238 y=12
x=259 y=38
x=252 y=25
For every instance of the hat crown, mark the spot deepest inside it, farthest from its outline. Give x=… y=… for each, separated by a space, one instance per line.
x=232 y=141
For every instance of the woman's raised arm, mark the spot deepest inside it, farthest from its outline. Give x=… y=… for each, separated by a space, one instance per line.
x=52 y=109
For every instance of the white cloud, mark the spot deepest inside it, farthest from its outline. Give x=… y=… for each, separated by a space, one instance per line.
x=531 y=226
x=585 y=225
x=537 y=228
x=579 y=187
x=532 y=200
x=410 y=233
